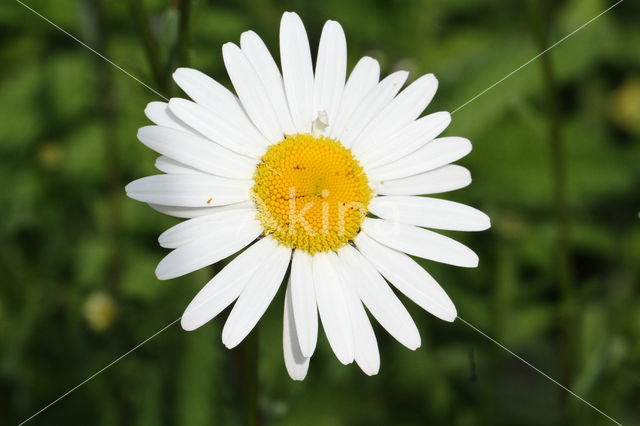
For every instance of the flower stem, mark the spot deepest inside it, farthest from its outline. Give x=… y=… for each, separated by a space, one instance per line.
x=109 y=121
x=250 y=366
x=566 y=286
x=149 y=42
x=184 y=9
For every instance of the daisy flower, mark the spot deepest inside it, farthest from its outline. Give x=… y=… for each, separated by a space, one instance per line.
x=311 y=169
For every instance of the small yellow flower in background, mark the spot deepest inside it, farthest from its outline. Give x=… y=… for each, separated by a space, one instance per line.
x=293 y=167
x=99 y=310
x=50 y=155
x=625 y=105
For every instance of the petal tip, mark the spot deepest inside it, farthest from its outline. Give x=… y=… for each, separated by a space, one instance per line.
x=297 y=377
x=307 y=351
x=187 y=323
x=228 y=343
x=372 y=61
x=141 y=132
x=297 y=373
x=129 y=187
x=229 y=47
x=431 y=76
x=450 y=317
x=414 y=343
x=488 y=223
x=162 y=273
x=371 y=371
x=180 y=74
x=248 y=36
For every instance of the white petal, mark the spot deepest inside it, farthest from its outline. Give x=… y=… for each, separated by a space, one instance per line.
x=296 y=363
x=219 y=219
x=363 y=79
x=207 y=249
x=447 y=178
x=219 y=100
x=197 y=152
x=226 y=286
x=268 y=72
x=331 y=69
x=189 y=190
x=169 y=165
x=183 y=212
x=205 y=90
x=404 y=109
x=159 y=113
x=251 y=92
x=333 y=308
x=407 y=140
x=371 y=105
x=408 y=277
x=303 y=295
x=420 y=242
x=256 y=297
x=378 y=297
x=430 y=213
x=366 y=352
x=216 y=128
x=435 y=154
x=297 y=70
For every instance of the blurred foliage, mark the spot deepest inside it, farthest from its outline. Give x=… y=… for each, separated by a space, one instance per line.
x=77 y=258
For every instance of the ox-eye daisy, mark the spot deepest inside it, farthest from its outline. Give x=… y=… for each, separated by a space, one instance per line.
x=293 y=168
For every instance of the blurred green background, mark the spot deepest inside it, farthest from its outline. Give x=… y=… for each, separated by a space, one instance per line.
x=556 y=164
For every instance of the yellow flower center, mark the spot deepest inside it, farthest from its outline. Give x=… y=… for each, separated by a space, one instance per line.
x=311 y=193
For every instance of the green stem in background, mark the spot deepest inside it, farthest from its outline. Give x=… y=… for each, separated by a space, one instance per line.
x=107 y=107
x=112 y=156
x=504 y=278
x=250 y=377
x=565 y=277
x=184 y=10
x=151 y=48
